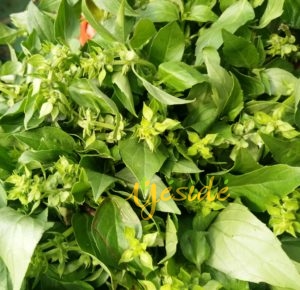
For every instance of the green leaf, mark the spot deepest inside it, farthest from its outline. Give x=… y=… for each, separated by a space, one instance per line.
x=144 y=30
x=201 y=13
x=113 y=6
x=40 y=22
x=7 y=34
x=171 y=240
x=3 y=196
x=238 y=51
x=5 y=282
x=160 y=11
x=108 y=228
x=106 y=39
x=19 y=235
x=227 y=93
x=244 y=248
x=261 y=186
x=291 y=13
x=99 y=182
x=283 y=151
x=292 y=247
x=123 y=91
x=46 y=138
x=160 y=95
x=87 y=95
x=274 y=10
x=195 y=247
x=168 y=44
x=231 y=19
x=179 y=75
x=67 y=23
x=141 y=161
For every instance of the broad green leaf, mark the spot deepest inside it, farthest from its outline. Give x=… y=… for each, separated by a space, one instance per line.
x=160 y=11
x=195 y=247
x=245 y=162
x=227 y=93
x=10 y=68
x=231 y=19
x=108 y=228
x=141 y=161
x=261 y=186
x=200 y=13
x=19 y=235
x=67 y=23
x=5 y=281
x=99 y=182
x=238 y=51
x=179 y=75
x=6 y=161
x=244 y=248
x=274 y=10
x=123 y=91
x=106 y=39
x=168 y=44
x=171 y=240
x=7 y=34
x=46 y=138
x=292 y=247
x=291 y=13
x=3 y=196
x=185 y=166
x=49 y=5
x=40 y=22
x=87 y=95
x=143 y=32
x=160 y=95
x=113 y=6
x=283 y=151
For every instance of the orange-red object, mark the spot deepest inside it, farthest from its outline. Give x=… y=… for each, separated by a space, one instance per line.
x=86 y=32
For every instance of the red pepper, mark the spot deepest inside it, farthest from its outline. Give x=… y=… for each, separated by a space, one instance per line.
x=86 y=32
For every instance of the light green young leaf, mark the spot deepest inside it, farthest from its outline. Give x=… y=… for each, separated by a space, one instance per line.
x=231 y=19
x=143 y=32
x=261 y=186
x=141 y=161
x=40 y=22
x=19 y=235
x=5 y=281
x=179 y=75
x=168 y=44
x=244 y=248
x=113 y=7
x=274 y=9
x=201 y=13
x=160 y=11
x=7 y=35
x=171 y=240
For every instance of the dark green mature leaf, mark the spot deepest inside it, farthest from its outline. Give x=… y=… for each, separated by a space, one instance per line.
x=19 y=235
x=168 y=44
x=160 y=95
x=261 y=186
x=179 y=75
x=292 y=247
x=238 y=51
x=232 y=18
x=67 y=23
x=291 y=13
x=141 y=161
x=143 y=32
x=283 y=151
x=47 y=138
x=40 y=22
x=160 y=11
x=195 y=247
x=244 y=248
x=87 y=95
x=108 y=228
